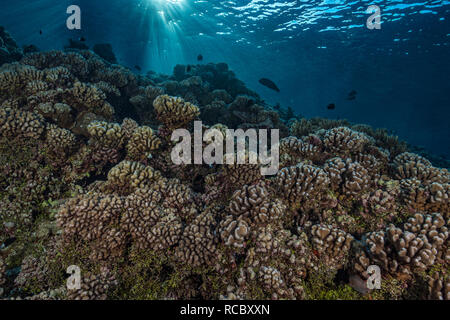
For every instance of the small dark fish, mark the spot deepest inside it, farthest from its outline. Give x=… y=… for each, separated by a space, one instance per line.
x=82 y=39
x=269 y=84
x=188 y=69
x=199 y=57
x=40 y=31
x=352 y=95
x=137 y=67
x=331 y=106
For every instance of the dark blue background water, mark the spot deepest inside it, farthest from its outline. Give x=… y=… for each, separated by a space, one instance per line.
x=316 y=51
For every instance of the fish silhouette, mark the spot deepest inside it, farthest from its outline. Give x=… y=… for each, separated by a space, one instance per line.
x=199 y=57
x=352 y=95
x=137 y=67
x=331 y=106
x=269 y=84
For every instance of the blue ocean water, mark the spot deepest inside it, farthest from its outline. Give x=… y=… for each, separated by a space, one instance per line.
x=315 y=51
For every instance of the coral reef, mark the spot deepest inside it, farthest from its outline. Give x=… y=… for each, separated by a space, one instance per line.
x=302 y=186
x=94 y=286
x=87 y=179
x=2 y=273
x=174 y=112
x=331 y=244
x=215 y=90
x=414 y=248
x=439 y=286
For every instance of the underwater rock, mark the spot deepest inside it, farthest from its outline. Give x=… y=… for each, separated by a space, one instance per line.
x=9 y=50
x=30 y=49
x=76 y=44
x=105 y=51
x=358 y=284
x=179 y=72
